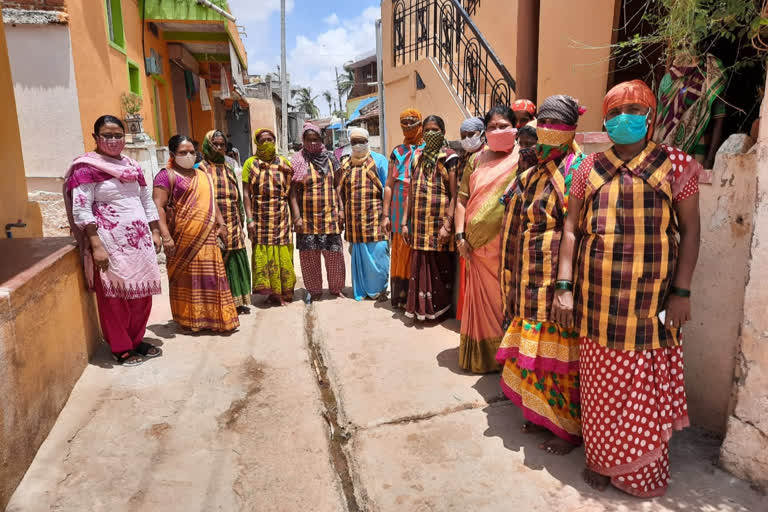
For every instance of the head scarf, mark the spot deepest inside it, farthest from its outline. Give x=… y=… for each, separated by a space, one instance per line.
x=554 y=140
x=265 y=151
x=209 y=151
x=354 y=158
x=524 y=106
x=627 y=93
x=473 y=124
x=358 y=132
x=321 y=161
x=412 y=132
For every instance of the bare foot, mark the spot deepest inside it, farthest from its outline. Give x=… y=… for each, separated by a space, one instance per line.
x=595 y=480
x=530 y=427
x=557 y=446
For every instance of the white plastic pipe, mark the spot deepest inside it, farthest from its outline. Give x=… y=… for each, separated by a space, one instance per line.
x=218 y=9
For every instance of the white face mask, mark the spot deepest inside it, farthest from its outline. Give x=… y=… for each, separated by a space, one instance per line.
x=360 y=150
x=472 y=144
x=185 y=161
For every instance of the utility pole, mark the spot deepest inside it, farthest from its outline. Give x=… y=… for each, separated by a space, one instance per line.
x=283 y=83
x=380 y=79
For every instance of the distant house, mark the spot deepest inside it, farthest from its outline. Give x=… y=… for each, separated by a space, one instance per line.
x=363 y=100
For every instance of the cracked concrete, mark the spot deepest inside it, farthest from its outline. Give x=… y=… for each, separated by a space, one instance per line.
x=339 y=406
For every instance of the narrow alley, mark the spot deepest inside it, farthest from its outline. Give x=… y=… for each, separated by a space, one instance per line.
x=330 y=407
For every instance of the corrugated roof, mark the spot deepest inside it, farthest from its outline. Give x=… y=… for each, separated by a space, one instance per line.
x=361 y=106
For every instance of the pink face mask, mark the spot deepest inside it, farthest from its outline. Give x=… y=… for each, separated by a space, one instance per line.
x=502 y=140
x=314 y=147
x=111 y=147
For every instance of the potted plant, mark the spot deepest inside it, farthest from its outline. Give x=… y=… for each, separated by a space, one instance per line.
x=132 y=103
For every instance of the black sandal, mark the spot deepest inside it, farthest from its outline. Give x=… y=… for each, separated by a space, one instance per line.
x=128 y=358
x=147 y=349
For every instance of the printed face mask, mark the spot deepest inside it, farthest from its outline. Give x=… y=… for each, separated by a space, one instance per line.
x=265 y=151
x=502 y=140
x=472 y=144
x=627 y=128
x=360 y=150
x=185 y=161
x=111 y=147
x=554 y=141
x=314 y=147
x=434 y=140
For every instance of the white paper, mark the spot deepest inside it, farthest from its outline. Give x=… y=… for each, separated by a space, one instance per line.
x=225 y=94
x=205 y=102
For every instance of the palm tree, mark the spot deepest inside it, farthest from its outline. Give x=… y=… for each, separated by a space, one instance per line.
x=346 y=83
x=329 y=98
x=307 y=102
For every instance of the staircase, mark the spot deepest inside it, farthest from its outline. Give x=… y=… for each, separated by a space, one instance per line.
x=444 y=32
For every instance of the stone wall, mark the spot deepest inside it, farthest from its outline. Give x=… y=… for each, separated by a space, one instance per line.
x=745 y=449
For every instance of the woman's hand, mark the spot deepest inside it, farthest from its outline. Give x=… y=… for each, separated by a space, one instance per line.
x=168 y=245
x=385 y=226
x=678 y=311
x=340 y=217
x=298 y=225
x=406 y=234
x=100 y=257
x=562 y=308
x=222 y=232
x=444 y=235
x=465 y=250
x=156 y=241
x=252 y=230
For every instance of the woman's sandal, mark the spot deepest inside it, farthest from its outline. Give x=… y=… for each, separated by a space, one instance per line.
x=147 y=349
x=128 y=358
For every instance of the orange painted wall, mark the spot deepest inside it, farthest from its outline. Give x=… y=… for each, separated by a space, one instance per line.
x=565 y=65
x=101 y=71
x=13 y=184
x=202 y=121
x=166 y=104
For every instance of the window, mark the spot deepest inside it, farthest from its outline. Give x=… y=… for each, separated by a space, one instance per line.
x=134 y=77
x=115 y=24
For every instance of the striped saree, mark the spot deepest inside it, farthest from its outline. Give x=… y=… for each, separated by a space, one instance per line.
x=199 y=290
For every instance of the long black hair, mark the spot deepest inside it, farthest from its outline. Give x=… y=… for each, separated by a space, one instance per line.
x=500 y=110
x=434 y=119
x=100 y=122
x=175 y=141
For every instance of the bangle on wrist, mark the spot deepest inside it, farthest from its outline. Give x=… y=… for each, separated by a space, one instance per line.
x=249 y=220
x=459 y=236
x=564 y=284
x=680 y=292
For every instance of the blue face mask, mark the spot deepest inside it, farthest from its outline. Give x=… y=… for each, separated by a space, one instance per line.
x=627 y=128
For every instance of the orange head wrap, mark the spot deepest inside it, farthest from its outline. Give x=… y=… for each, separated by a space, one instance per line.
x=627 y=93
x=410 y=122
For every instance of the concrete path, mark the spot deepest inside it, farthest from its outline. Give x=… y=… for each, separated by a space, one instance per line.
x=337 y=406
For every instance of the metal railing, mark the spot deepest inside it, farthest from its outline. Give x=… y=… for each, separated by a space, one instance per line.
x=443 y=30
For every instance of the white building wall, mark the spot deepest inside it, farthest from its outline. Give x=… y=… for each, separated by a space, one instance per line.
x=46 y=99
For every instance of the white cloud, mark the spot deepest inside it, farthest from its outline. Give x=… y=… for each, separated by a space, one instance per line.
x=311 y=63
x=246 y=12
x=332 y=20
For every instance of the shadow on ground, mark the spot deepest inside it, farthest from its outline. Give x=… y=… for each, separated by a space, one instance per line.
x=697 y=484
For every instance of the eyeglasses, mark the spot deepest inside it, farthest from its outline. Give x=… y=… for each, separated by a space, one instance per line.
x=111 y=136
x=219 y=144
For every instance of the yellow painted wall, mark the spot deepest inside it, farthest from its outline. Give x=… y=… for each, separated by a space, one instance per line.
x=42 y=360
x=101 y=71
x=14 y=205
x=565 y=67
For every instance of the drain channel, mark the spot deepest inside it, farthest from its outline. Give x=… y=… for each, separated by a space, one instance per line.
x=338 y=437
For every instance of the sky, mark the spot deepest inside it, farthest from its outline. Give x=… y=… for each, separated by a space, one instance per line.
x=319 y=36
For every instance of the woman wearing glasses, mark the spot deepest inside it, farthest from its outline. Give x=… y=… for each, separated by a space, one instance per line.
x=190 y=222
x=230 y=204
x=115 y=222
